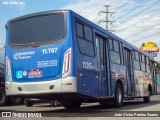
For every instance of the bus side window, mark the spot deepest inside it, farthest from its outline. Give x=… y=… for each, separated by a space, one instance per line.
x=136 y=61
x=148 y=65
x=147 y=61
x=79 y=30
x=142 y=61
x=114 y=51
x=136 y=55
x=111 y=44
x=116 y=46
x=85 y=39
x=88 y=33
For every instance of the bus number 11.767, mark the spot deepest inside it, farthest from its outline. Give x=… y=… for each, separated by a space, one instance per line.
x=49 y=50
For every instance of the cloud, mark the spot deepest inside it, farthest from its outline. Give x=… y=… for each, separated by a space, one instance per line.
x=136 y=21
x=88 y=9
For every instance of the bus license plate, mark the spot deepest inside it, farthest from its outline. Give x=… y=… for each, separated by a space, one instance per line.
x=35 y=73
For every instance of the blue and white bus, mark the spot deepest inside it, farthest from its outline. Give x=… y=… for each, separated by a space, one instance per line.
x=61 y=55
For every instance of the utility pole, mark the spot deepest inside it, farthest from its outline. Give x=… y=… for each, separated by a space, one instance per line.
x=107 y=17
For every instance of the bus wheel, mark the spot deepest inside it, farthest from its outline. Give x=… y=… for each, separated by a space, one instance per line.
x=71 y=104
x=28 y=103
x=54 y=103
x=16 y=100
x=146 y=99
x=118 y=99
x=3 y=97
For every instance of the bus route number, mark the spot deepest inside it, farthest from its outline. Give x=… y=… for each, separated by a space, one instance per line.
x=49 y=50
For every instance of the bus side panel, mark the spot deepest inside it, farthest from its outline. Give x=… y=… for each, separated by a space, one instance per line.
x=77 y=66
x=85 y=69
x=142 y=81
x=90 y=79
x=118 y=73
x=69 y=83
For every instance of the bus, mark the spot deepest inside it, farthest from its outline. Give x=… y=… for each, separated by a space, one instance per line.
x=61 y=55
x=4 y=100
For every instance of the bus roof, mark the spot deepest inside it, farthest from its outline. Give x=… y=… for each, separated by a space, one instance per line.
x=37 y=14
x=86 y=21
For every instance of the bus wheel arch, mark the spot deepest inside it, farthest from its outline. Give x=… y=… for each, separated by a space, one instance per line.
x=146 y=99
x=119 y=93
x=3 y=97
x=150 y=89
x=120 y=82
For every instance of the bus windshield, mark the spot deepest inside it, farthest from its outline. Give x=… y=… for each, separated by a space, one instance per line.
x=37 y=29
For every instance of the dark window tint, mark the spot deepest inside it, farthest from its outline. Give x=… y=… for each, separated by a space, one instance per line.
x=88 y=33
x=143 y=68
x=79 y=28
x=114 y=51
x=102 y=50
x=111 y=44
x=147 y=61
x=116 y=46
x=86 y=47
x=136 y=55
x=85 y=39
x=38 y=29
x=136 y=65
x=115 y=57
x=143 y=58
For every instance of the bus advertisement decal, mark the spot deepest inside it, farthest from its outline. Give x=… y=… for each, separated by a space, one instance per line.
x=23 y=55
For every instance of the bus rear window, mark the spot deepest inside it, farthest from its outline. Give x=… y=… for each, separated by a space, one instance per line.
x=38 y=29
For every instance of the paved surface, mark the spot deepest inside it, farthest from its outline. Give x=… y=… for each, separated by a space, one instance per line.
x=89 y=111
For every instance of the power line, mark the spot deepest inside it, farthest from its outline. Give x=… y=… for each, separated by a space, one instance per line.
x=124 y=4
x=149 y=36
x=106 y=18
x=144 y=30
x=136 y=23
x=136 y=14
x=141 y=18
x=133 y=8
x=141 y=12
x=137 y=31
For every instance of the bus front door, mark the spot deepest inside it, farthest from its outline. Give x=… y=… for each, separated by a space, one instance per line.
x=128 y=63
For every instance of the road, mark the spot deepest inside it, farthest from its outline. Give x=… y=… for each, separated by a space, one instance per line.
x=89 y=110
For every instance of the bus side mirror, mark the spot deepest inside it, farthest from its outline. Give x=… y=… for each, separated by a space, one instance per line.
x=6 y=26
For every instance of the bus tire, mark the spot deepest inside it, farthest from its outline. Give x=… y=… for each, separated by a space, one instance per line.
x=3 y=97
x=71 y=104
x=146 y=99
x=118 y=99
x=16 y=100
x=55 y=103
x=28 y=103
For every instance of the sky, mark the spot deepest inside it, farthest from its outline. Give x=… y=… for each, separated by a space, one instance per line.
x=136 y=21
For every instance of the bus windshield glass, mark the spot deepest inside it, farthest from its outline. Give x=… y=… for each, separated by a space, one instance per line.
x=37 y=29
